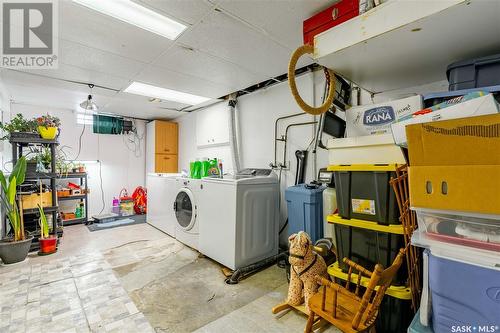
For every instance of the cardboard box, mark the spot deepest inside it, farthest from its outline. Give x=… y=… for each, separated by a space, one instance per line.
x=455 y=164
x=378 y=149
x=377 y=118
x=474 y=107
x=33 y=200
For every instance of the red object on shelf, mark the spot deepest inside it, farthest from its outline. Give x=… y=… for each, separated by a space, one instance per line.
x=73 y=186
x=465 y=241
x=48 y=245
x=338 y=13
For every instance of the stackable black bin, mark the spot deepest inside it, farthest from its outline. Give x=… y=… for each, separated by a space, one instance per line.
x=369 y=247
x=474 y=73
x=366 y=194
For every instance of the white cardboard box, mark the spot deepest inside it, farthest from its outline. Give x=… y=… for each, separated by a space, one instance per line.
x=371 y=149
x=377 y=118
x=474 y=107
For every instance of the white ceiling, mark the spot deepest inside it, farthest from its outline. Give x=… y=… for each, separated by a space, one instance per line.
x=229 y=45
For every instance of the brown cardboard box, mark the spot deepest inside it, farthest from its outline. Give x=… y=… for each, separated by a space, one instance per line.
x=33 y=200
x=455 y=164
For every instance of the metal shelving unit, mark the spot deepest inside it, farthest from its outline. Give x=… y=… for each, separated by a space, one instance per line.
x=18 y=147
x=82 y=177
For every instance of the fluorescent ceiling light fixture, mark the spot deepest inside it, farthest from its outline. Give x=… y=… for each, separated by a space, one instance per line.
x=135 y=14
x=148 y=90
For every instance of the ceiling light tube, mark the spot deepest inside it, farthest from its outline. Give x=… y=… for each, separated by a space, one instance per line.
x=135 y=14
x=148 y=90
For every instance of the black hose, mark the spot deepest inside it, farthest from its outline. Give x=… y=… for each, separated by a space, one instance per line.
x=241 y=273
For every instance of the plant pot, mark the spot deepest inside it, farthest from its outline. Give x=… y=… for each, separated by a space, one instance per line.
x=48 y=133
x=12 y=252
x=23 y=135
x=48 y=245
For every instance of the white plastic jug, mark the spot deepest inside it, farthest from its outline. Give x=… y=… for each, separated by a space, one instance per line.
x=329 y=207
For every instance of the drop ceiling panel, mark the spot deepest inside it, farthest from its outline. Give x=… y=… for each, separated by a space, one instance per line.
x=281 y=20
x=68 y=72
x=86 y=57
x=137 y=106
x=208 y=67
x=229 y=39
x=88 y=27
x=185 y=11
x=182 y=82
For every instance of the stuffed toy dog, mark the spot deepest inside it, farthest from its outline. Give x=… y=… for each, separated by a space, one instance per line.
x=306 y=264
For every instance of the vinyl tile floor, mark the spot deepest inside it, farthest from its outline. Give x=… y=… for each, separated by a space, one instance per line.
x=137 y=279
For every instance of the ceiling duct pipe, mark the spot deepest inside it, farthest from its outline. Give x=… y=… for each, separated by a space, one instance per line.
x=234 y=133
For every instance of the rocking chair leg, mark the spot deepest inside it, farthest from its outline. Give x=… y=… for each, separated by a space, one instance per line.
x=310 y=322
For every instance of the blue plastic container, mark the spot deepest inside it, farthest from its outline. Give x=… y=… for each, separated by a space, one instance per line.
x=417 y=327
x=439 y=97
x=463 y=295
x=305 y=210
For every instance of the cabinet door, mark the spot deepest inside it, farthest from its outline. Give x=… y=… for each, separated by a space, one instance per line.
x=212 y=126
x=166 y=137
x=165 y=163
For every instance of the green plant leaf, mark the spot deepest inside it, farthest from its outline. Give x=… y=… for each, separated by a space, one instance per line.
x=3 y=182
x=19 y=171
x=11 y=195
x=44 y=226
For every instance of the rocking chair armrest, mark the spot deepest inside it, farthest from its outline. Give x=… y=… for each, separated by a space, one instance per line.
x=330 y=284
x=358 y=267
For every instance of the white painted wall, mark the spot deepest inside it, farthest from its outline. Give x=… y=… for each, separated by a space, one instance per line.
x=257 y=113
x=121 y=167
x=4 y=110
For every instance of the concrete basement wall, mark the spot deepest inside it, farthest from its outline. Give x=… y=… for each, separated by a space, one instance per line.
x=121 y=167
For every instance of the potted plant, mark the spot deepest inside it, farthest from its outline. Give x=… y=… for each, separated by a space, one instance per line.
x=48 y=126
x=48 y=243
x=15 y=248
x=19 y=127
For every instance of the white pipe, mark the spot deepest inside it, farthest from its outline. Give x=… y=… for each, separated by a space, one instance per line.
x=234 y=133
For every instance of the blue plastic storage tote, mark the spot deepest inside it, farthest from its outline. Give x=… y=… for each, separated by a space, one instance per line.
x=305 y=210
x=439 y=97
x=463 y=295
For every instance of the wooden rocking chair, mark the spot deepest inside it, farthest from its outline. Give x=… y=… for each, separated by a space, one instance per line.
x=347 y=310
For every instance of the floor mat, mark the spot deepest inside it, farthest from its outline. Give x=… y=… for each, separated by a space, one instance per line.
x=130 y=220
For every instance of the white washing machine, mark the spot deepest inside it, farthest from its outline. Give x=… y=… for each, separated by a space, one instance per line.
x=186 y=211
x=239 y=217
x=162 y=189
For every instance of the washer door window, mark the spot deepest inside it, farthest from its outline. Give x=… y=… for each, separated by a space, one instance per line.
x=185 y=210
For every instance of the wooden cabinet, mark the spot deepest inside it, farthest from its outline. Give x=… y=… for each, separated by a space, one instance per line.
x=162 y=147
x=166 y=140
x=165 y=163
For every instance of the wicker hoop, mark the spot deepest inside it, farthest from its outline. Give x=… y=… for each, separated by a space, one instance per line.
x=330 y=76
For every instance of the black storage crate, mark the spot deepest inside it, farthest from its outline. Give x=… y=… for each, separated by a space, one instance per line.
x=368 y=248
x=474 y=73
x=371 y=189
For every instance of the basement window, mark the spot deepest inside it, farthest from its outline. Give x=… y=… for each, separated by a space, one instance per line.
x=84 y=118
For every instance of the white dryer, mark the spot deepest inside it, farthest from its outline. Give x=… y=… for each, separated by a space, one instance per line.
x=186 y=211
x=239 y=217
x=162 y=189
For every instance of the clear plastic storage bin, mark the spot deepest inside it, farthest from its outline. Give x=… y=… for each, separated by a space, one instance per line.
x=473 y=230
